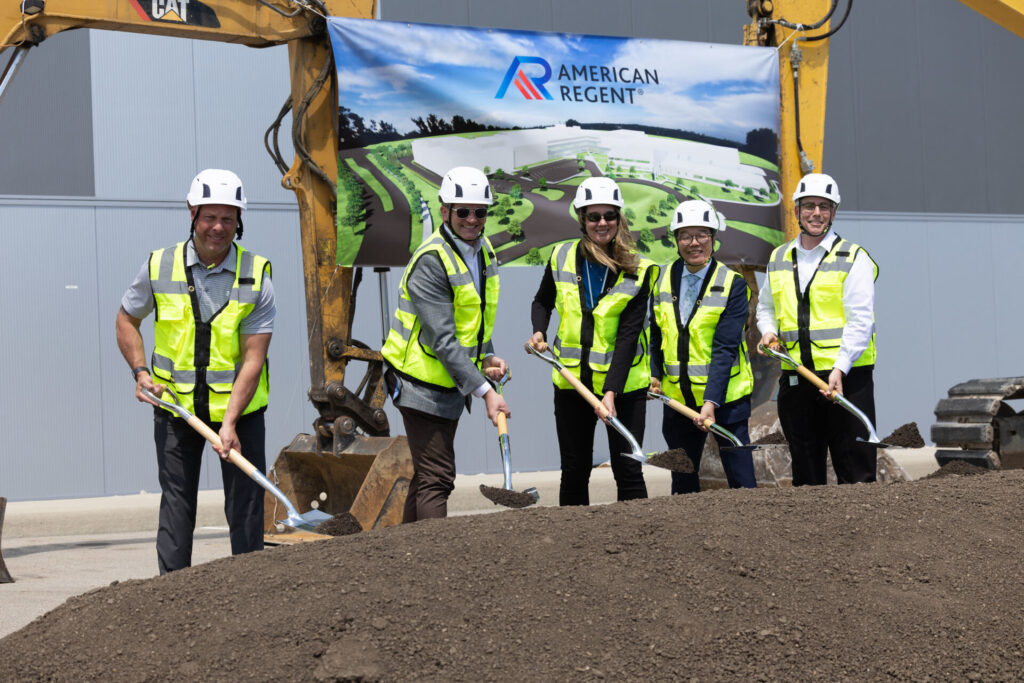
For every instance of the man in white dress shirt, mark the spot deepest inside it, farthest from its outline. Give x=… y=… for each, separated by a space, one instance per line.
x=818 y=302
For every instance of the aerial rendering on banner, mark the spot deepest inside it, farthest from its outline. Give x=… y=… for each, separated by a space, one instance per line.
x=539 y=113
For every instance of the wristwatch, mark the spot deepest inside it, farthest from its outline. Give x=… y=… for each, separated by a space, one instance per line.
x=136 y=371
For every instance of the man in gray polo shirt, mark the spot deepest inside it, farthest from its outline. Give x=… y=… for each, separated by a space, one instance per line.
x=214 y=304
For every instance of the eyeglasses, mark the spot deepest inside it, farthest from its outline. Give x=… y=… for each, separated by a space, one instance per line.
x=463 y=212
x=698 y=237
x=608 y=216
x=809 y=207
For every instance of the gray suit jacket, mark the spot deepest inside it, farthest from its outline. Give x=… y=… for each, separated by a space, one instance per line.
x=431 y=297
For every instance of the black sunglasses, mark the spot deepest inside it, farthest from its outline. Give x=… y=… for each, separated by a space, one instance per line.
x=609 y=216
x=463 y=212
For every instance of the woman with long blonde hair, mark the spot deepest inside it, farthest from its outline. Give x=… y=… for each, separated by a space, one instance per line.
x=601 y=288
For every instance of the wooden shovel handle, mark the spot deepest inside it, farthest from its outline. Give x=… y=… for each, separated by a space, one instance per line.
x=234 y=456
x=688 y=411
x=584 y=392
x=812 y=378
x=502 y=424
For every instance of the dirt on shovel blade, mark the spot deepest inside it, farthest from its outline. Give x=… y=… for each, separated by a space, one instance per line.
x=510 y=499
x=341 y=524
x=775 y=437
x=905 y=436
x=675 y=459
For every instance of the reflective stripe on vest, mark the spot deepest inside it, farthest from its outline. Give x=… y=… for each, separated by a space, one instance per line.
x=568 y=346
x=178 y=345
x=700 y=335
x=474 y=317
x=815 y=343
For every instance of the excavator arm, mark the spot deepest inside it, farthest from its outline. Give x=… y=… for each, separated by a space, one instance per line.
x=349 y=457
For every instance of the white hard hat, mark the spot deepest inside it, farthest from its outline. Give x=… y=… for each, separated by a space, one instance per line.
x=696 y=213
x=465 y=185
x=216 y=186
x=817 y=185
x=597 y=191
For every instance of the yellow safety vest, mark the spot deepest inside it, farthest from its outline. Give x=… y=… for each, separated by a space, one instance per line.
x=474 y=317
x=188 y=351
x=811 y=326
x=693 y=343
x=568 y=346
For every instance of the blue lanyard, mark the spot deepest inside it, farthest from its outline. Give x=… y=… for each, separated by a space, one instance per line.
x=593 y=283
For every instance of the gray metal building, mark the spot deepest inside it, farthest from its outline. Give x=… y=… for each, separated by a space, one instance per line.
x=103 y=131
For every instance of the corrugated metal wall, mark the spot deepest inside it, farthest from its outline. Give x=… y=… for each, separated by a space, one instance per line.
x=923 y=139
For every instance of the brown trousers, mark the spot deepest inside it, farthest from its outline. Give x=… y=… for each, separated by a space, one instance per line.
x=432 y=443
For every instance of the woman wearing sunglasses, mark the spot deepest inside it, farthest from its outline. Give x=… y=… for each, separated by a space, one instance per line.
x=601 y=288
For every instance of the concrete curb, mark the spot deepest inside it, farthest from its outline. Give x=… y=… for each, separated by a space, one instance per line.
x=139 y=512
x=119 y=514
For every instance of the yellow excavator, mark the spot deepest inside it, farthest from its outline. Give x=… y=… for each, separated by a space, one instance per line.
x=350 y=455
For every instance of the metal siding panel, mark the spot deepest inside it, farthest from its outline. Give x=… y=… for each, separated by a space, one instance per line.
x=52 y=411
x=238 y=93
x=455 y=12
x=527 y=15
x=596 y=17
x=143 y=116
x=951 y=90
x=841 y=151
x=125 y=237
x=887 y=83
x=46 y=121
x=1002 y=53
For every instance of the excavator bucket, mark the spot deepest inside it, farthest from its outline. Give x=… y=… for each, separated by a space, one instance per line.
x=366 y=476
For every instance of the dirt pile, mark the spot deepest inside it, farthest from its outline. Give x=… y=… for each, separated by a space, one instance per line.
x=905 y=436
x=957 y=468
x=908 y=581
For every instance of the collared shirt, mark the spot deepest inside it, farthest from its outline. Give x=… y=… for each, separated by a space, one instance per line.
x=470 y=253
x=213 y=289
x=683 y=289
x=858 y=299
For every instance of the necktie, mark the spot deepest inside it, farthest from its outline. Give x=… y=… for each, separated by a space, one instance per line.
x=689 y=296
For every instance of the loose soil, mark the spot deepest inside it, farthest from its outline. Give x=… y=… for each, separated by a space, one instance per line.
x=675 y=459
x=510 y=499
x=772 y=438
x=905 y=436
x=906 y=581
x=957 y=468
x=341 y=524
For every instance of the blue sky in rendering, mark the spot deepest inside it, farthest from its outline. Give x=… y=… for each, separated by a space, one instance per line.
x=390 y=71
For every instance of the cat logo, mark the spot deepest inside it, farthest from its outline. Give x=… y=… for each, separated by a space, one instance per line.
x=191 y=12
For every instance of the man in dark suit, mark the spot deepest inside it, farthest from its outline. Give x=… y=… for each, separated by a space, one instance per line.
x=698 y=347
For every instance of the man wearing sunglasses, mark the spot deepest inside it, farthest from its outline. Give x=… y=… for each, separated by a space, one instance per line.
x=818 y=302
x=439 y=347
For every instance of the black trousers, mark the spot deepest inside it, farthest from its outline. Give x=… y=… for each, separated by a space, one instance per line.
x=738 y=463
x=432 y=445
x=179 y=455
x=575 y=421
x=815 y=426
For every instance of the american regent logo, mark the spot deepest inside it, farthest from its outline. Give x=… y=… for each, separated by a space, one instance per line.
x=600 y=83
x=532 y=87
